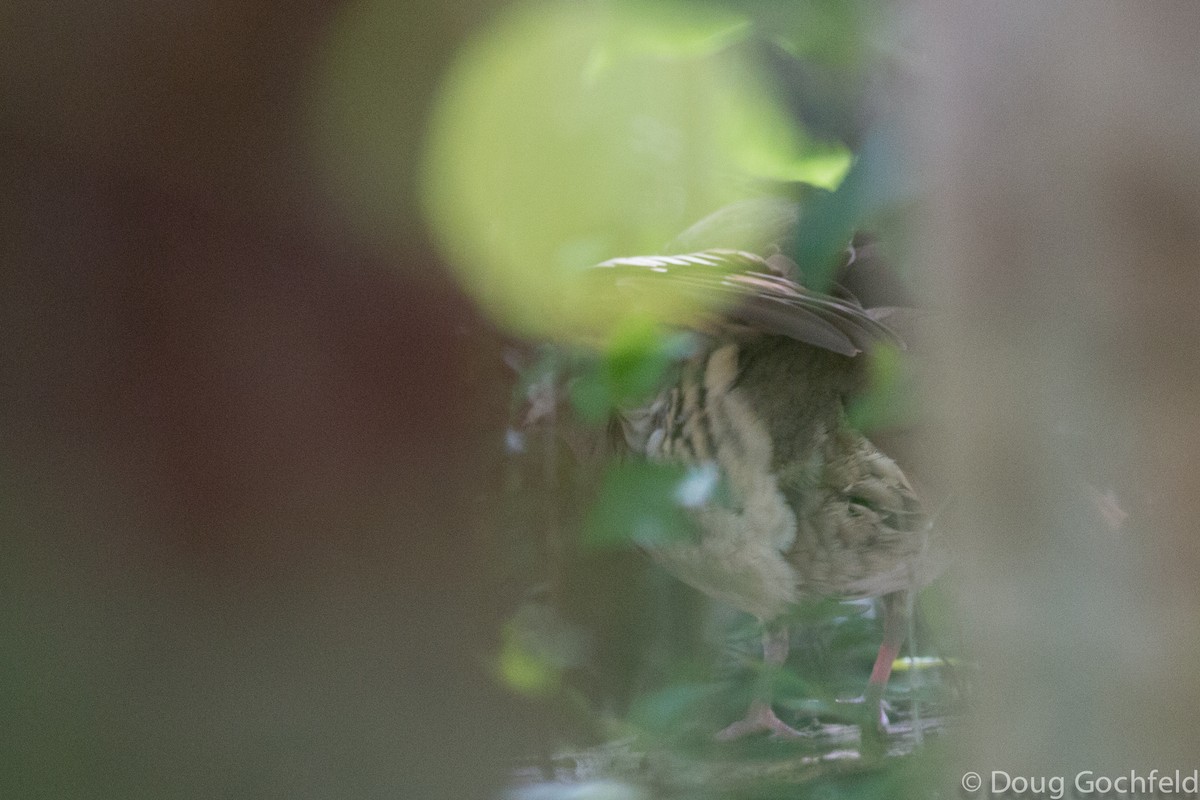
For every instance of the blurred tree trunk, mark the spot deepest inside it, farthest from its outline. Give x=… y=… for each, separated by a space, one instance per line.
x=246 y=456
x=1063 y=146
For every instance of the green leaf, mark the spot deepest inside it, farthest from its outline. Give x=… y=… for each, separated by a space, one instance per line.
x=552 y=148
x=674 y=29
x=632 y=367
x=637 y=505
x=753 y=226
x=524 y=667
x=891 y=397
x=874 y=186
x=591 y=395
x=669 y=709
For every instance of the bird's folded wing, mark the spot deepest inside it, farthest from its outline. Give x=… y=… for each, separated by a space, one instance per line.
x=743 y=288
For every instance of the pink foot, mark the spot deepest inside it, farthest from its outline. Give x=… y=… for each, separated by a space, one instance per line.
x=759 y=719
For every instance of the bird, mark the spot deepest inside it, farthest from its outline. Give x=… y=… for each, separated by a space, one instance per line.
x=809 y=507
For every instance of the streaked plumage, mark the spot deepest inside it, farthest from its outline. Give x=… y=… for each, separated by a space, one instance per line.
x=811 y=507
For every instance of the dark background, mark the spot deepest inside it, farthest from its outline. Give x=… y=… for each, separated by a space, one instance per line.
x=243 y=450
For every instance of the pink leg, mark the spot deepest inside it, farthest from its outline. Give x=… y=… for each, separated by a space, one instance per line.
x=895 y=628
x=761 y=717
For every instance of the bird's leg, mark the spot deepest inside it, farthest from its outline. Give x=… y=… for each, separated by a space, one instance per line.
x=895 y=628
x=761 y=717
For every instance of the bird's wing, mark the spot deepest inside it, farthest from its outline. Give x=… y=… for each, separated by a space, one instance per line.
x=744 y=288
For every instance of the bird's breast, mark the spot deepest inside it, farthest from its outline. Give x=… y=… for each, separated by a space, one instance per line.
x=806 y=507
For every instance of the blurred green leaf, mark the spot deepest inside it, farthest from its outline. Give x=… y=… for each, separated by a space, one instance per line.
x=753 y=226
x=637 y=505
x=636 y=360
x=524 y=670
x=591 y=396
x=674 y=29
x=631 y=368
x=570 y=133
x=874 y=185
x=536 y=645
x=891 y=397
x=671 y=709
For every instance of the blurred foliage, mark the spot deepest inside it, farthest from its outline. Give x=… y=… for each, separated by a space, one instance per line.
x=629 y=369
x=891 y=398
x=875 y=187
x=646 y=504
x=568 y=134
x=537 y=645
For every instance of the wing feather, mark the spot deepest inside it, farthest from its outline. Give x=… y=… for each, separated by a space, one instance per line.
x=746 y=289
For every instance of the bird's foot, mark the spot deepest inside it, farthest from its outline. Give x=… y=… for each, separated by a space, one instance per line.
x=760 y=718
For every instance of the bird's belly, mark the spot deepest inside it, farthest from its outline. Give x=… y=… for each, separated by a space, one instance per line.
x=758 y=578
x=754 y=579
